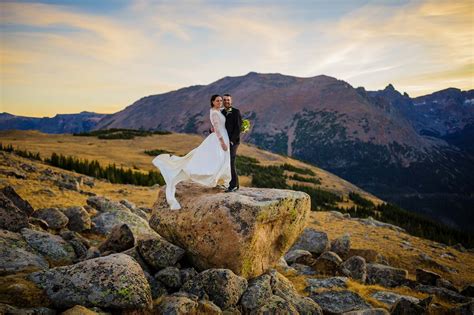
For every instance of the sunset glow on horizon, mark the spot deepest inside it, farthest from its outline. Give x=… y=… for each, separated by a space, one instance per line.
x=101 y=56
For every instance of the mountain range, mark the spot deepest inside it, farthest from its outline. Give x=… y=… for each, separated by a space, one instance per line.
x=417 y=152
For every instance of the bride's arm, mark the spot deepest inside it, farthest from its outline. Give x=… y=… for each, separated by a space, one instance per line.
x=215 y=124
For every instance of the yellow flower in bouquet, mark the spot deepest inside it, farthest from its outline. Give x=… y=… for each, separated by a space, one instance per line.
x=245 y=126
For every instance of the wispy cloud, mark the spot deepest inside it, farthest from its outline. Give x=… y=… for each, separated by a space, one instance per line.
x=58 y=58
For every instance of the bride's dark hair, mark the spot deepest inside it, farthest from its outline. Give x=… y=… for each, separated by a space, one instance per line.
x=213 y=98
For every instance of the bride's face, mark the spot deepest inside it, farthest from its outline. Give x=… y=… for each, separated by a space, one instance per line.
x=217 y=103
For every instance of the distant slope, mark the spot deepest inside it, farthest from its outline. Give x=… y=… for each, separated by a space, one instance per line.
x=61 y=123
x=415 y=152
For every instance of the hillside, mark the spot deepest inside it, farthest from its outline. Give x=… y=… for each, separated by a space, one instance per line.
x=414 y=152
x=38 y=183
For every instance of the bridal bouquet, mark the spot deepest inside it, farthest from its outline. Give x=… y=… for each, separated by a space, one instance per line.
x=245 y=126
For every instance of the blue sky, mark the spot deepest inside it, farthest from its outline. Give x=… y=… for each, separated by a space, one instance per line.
x=70 y=56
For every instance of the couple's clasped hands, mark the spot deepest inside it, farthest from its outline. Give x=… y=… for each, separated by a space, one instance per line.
x=223 y=145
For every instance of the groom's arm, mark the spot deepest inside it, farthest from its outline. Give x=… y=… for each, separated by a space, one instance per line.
x=237 y=126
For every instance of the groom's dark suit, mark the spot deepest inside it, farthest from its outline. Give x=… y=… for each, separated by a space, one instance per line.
x=233 y=123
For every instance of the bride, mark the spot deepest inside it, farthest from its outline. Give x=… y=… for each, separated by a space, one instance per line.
x=206 y=164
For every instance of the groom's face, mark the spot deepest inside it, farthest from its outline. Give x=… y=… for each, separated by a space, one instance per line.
x=227 y=101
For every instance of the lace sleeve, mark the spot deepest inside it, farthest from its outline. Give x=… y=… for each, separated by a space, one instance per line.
x=215 y=123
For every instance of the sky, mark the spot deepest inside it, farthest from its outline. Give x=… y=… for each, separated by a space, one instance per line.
x=101 y=56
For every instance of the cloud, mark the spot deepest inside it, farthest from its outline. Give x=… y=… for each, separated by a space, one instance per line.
x=61 y=59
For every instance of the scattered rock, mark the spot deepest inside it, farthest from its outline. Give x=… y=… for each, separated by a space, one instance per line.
x=13 y=173
x=120 y=239
x=468 y=290
x=176 y=305
x=187 y=274
x=19 y=202
x=443 y=293
x=79 y=218
x=283 y=287
x=327 y=283
x=257 y=294
x=404 y=306
x=337 y=302
x=170 y=277
x=17 y=256
x=327 y=264
x=341 y=246
x=372 y=222
x=426 y=277
x=315 y=242
x=297 y=256
x=385 y=275
x=390 y=298
x=303 y=269
x=357 y=268
x=276 y=305
x=115 y=281
x=53 y=247
x=55 y=218
x=11 y=218
x=222 y=286
x=370 y=311
x=247 y=231
x=103 y=204
x=464 y=309
x=159 y=253
x=443 y=283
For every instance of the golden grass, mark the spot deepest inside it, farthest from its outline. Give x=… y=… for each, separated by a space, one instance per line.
x=130 y=153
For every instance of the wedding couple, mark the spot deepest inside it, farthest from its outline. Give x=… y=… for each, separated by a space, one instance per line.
x=213 y=159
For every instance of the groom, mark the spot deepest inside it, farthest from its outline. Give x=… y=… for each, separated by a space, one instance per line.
x=233 y=123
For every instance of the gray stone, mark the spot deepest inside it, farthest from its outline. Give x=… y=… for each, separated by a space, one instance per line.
x=283 y=287
x=328 y=264
x=303 y=269
x=222 y=286
x=385 y=275
x=79 y=218
x=11 y=218
x=313 y=241
x=159 y=253
x=176 y=305
x=426 y=277
x=327 y=283
x=170 y=277
x=120 y=239
x=23 y=205
x=371 y=311
x=17 y=256
x=297 y=256
x=55 y=218
x=357 y=267
x=56 y=249
x=114 y=281
x=276 y=305
x=258 y=292
x=187 y=274
x=468 y=290
x=341 y=246
x=338 y=302
x=390 y=298
x=406 y=307
x=443 y=293
x=103 y=204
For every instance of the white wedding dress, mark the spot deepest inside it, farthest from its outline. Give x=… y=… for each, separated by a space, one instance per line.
x=206 y=164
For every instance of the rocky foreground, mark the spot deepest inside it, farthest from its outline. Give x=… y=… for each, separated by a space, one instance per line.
x=242 y=253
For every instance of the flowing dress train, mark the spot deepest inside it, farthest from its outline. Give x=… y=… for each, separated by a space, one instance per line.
x=206 y=164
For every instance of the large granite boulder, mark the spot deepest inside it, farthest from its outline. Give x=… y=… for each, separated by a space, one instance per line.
x=115 y=281
x=246 y=231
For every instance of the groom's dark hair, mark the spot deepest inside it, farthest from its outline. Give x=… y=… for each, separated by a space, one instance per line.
x=213 y=98
x=227 y=95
